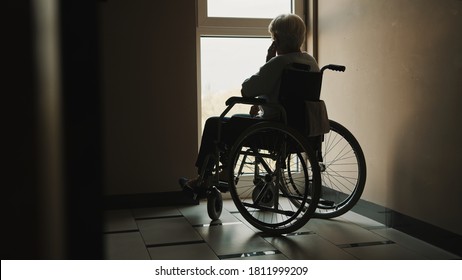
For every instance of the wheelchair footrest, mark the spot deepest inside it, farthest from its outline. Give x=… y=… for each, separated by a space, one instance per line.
x=325 y=202
x=223 y=186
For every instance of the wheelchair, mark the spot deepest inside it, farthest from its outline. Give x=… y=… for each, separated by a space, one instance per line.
x=284 y=172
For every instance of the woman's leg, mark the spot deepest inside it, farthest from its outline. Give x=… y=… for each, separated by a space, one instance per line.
x=230 y=130
x=209 y=137
x=207 y=147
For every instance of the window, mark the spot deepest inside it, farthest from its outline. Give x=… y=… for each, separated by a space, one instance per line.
x=247 y=9
x=225 y=63
x=233 y=40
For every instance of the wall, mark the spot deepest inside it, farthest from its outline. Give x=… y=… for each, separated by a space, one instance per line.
x=149 y=93
x=401 y=97
x=52 y=184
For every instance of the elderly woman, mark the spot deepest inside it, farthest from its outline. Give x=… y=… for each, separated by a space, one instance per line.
x=288 y=34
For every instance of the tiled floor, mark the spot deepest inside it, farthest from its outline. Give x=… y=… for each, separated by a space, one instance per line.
x=186 y=233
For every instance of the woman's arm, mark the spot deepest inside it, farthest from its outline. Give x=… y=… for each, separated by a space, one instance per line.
x=263 y=82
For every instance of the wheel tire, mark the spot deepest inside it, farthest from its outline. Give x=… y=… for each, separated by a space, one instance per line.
x=214 y=204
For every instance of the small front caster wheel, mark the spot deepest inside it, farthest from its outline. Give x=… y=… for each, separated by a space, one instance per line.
x=214 y=204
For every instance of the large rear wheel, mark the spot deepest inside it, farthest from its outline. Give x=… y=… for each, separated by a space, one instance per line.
x=343 y=172
x=260 y=191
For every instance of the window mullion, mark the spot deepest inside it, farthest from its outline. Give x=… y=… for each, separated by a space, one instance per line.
x=233 y=32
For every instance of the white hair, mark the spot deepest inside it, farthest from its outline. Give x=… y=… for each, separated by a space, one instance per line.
x=289 y=30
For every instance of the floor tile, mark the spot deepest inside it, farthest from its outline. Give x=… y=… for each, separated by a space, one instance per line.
x=125 y=246
x=308 y=247
x=245 y=222
x=119 y=220
x=341 y=232
x=361 y=220
x=156 y=212
x=197 y=215
x=186 y=232
x=427 y=250
x=167 y=231
x=199 y=251
x=229 y=205
x=233 y=239
x=383 y=252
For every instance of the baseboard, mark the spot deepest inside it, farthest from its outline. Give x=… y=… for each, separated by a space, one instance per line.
x=147 y=200
x=429 y=233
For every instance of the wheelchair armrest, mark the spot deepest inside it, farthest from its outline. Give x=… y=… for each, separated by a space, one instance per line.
x=245 y=100
x=251 y=101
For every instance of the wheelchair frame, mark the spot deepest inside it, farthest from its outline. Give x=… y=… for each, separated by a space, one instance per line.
x=321 y=193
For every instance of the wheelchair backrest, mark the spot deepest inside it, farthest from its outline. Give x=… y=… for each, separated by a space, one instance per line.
x=298 y=85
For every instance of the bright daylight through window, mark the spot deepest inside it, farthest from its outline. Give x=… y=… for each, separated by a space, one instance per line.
x=231 y=52
x=226 y=62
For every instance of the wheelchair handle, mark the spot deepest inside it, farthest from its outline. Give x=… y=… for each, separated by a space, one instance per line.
x=334 y=67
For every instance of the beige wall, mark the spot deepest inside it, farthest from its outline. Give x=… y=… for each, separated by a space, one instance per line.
x=401 y=96
x=150 y=101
